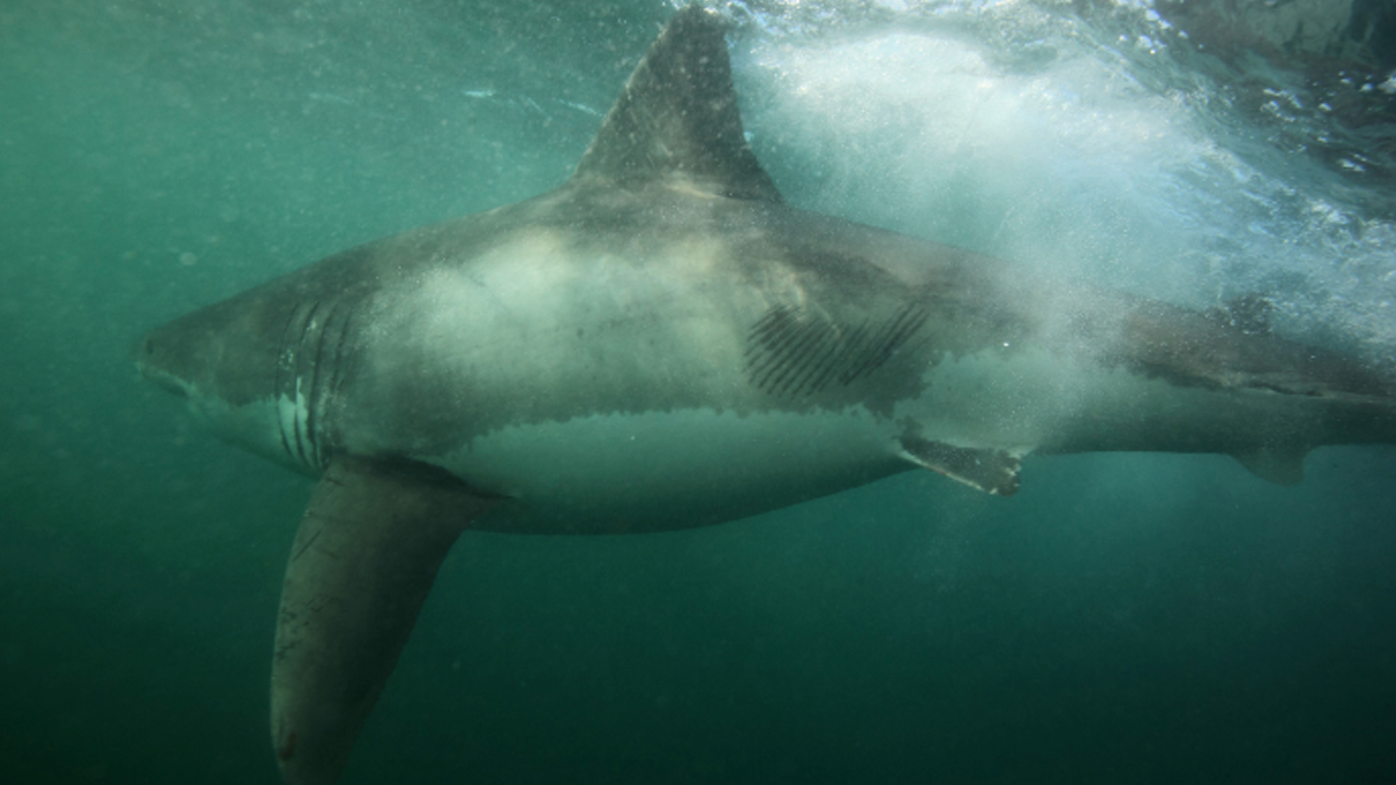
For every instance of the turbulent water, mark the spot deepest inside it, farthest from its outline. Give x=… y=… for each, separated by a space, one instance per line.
x=1124 y=618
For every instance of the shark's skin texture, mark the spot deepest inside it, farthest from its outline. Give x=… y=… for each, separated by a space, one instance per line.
x=661 y=343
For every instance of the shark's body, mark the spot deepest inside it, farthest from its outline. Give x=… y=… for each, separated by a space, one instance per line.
x=663 y=343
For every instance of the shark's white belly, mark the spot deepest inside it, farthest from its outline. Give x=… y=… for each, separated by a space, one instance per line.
x=669 y=470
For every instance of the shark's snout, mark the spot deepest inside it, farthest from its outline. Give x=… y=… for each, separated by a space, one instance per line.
x=143 y=347
x=146 y=354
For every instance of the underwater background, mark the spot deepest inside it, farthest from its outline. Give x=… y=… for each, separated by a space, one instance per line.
x=1124 y=618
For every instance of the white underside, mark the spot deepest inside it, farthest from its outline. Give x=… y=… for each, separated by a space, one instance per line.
x=260 y=426
x=670 y=470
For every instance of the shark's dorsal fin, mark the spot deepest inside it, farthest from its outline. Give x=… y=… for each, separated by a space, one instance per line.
x=676 y=122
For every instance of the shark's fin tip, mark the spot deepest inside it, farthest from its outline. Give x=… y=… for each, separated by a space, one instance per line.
x=1281 y=466
x=676 y=122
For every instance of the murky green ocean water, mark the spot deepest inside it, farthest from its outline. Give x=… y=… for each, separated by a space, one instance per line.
x=1125 y=618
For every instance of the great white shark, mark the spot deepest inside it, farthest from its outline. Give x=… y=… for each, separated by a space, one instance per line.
x=661 y=342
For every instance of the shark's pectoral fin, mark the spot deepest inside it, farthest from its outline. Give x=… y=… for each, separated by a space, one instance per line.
x=1279 y=465
x=989 y=470
x=363 y=562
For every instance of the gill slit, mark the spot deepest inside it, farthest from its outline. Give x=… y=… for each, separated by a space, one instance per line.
x=298 y=422
x=279 y=381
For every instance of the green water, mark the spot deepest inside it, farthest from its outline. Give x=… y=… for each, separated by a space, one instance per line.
x=1134 y=618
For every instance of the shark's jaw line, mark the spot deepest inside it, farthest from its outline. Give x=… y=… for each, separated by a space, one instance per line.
x=663 y=343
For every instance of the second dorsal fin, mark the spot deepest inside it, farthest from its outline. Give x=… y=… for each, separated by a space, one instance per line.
x=676 y=121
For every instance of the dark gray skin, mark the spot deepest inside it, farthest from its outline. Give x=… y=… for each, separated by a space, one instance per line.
x=663 y=343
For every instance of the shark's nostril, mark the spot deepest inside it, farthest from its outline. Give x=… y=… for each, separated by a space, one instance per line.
x=142 y=351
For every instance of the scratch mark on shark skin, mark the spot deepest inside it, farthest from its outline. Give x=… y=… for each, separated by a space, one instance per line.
x=792 y=353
